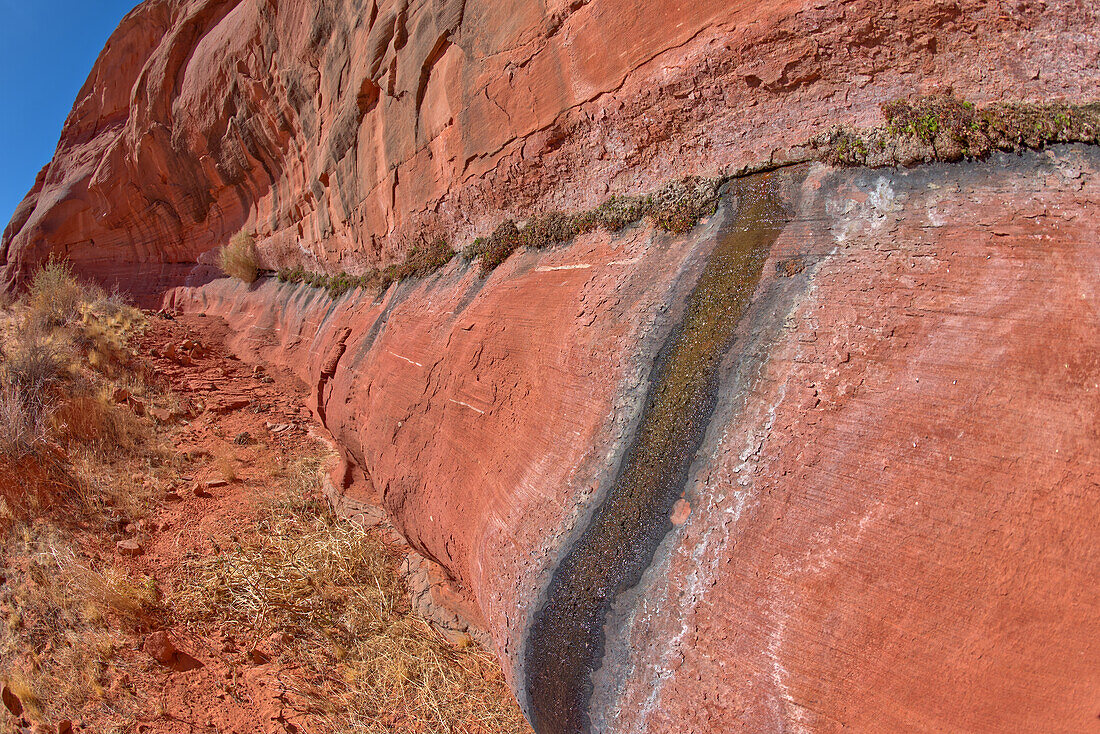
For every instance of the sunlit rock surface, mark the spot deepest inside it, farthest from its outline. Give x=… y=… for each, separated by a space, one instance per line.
x=888 y=519
x=892 y=516
x=342 y=132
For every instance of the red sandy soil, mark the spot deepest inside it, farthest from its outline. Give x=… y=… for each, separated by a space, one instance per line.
x=230 y=692
x=211 y=682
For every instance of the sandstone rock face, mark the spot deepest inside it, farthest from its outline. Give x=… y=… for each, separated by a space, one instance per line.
x=342 y=132
x=891 y=524
x=880 y=513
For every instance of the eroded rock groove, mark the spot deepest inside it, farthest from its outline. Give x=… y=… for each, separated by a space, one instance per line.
x=565 y=643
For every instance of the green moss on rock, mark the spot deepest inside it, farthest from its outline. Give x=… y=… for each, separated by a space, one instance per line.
x=946 y=128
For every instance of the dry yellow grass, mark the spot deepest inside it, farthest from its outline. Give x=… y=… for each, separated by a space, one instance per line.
x=68 y=618
x=332 y=588
x=64 y=450
x=63 y=622
x=54 y=295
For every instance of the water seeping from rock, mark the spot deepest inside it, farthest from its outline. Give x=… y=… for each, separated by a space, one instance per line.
x=565 y=643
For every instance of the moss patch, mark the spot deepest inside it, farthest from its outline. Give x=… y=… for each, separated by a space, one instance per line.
x=946 y=128
x=675 y=208
x=565 y=642
x=419 y=262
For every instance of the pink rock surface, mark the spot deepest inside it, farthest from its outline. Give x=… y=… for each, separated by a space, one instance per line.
x=897 y=531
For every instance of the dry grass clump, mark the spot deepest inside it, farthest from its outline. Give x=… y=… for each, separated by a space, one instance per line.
x=58 y=424
x=68 y=457
x=239 y=259
x=107 y=324
x=91 y=421
x=32 y=367
x=63 y=622
x=54 y=295
x=330 y=586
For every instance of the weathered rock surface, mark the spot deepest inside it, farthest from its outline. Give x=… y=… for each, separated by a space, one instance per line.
x=892 y=523
x=342 y=132
x=887 y=521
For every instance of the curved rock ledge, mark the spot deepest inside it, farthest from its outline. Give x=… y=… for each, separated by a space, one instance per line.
x=891 y=519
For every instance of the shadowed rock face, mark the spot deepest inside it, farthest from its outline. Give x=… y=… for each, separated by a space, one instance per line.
x=343 y=132
x=878 y=512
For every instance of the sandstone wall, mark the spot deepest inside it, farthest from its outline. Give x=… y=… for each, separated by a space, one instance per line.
x=342 y=131
x=892 y=522
x=888 y=521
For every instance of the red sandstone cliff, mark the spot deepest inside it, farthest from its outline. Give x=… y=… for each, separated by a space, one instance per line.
x=892 y=511
x=340 y=132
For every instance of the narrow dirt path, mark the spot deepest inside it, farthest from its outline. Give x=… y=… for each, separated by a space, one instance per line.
x=253 y=420
x=200 y=583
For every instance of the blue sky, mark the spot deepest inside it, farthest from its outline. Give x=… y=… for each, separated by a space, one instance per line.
x=47 y=48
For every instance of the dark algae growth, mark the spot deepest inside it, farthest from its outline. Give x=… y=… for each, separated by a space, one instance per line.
x=565 y=644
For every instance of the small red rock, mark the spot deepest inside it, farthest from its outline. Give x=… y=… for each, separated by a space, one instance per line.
x=258 y=656
x=11 y=701
x=161 y=415
x=681 y=510
x=159 y=647
x=129 y=547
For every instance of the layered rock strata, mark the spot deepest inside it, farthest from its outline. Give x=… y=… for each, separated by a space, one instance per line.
x=342 y=132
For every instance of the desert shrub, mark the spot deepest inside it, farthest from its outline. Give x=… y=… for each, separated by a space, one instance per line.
x=495 y=249
x=292 y=275
x=946 y=128
x=616 y=213
x=680 y=205
x=426 y=259
x=548 y=230
x=676 y=208
x=23 y=427
x=54 y=295
x=421 y=260
x=238 y=259
x=29 y=374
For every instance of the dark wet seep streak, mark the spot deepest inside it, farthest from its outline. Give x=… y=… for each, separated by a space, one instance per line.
x=565 y=644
